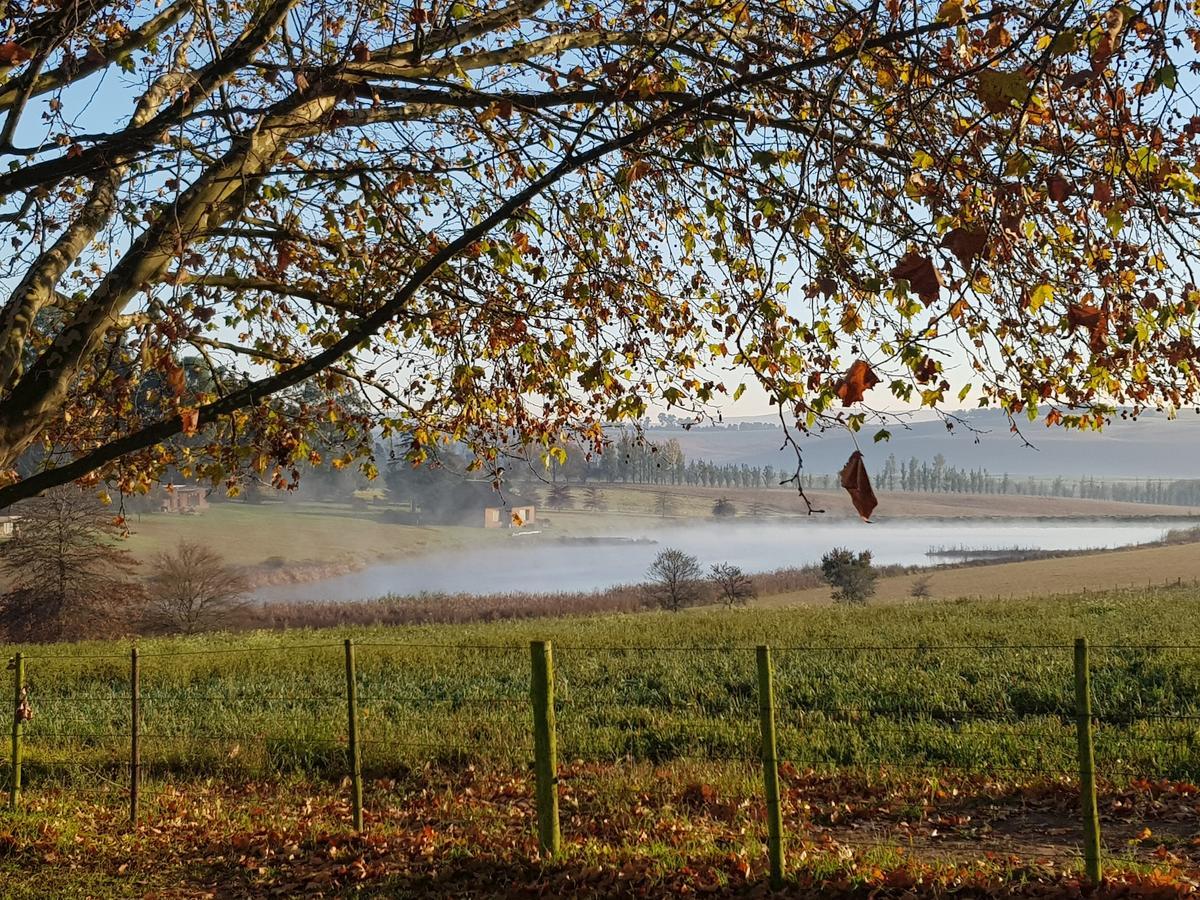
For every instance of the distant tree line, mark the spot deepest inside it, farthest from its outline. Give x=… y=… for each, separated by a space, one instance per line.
x=937 y=477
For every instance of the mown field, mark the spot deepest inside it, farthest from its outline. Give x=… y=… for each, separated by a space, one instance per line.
x=942 y=731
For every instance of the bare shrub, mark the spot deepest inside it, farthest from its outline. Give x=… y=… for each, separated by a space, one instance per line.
x=920 y=588
x=734 y=587
x=675 y=580
x=192 y=590
x=68 y=580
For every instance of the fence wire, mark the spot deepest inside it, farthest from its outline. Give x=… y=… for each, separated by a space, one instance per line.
x=642 y=731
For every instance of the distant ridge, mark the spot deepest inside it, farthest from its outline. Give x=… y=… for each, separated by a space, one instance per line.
x=1152 y=447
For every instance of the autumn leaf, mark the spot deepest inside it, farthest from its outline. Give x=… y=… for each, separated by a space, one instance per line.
x=1059 y=188
x=952 y=12
x=1083 y=315
x=921 y=275
x=12 y=53
x=857 y=483
x=999 y=90
x=856 y=382
x=959 y=309
x=1040 y=296
x=965 y=243
x=174 y=377
x=926 y=370
x=190 y=417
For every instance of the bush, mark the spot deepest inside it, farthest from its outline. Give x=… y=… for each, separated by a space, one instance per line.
x=724 y=508
x=675 y=580
x=920 y=588
x=851 y=576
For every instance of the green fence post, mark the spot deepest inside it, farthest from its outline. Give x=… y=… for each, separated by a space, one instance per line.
x=545 y=761
x=14 y=788
x=1087 y=763
x=135 y=729
x=356 y=795
x=770 y=764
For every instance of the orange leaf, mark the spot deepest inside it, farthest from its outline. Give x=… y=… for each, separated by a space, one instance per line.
x=920 y=274
x=190 y=417
x=857 y=483
x=856 y=382
x=12 y=53
x=1083 y=315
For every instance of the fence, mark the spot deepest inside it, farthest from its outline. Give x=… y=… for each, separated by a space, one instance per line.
x=118 y=725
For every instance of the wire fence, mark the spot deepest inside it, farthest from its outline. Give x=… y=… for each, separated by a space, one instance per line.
x=910 y=749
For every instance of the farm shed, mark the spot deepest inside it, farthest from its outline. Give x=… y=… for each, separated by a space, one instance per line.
x=184 y=498
x=514 y=517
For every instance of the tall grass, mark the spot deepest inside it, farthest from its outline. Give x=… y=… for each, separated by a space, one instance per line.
x=983 y=687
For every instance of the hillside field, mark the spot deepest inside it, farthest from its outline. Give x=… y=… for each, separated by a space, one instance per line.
x=923 y=743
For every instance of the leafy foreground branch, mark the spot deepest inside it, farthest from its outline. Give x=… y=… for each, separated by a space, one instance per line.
x=512 y=224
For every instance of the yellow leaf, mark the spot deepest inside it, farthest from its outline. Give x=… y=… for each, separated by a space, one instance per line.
x=1041 y=295
x=951 y=11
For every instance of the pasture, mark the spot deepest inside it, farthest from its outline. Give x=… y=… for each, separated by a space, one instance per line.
x=907 y=734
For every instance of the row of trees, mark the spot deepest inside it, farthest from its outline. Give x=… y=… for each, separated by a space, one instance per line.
x=936 y=476
x=677 y=580
x=68 y=579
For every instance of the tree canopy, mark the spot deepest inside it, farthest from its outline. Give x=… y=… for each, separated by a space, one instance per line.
x=507 y=224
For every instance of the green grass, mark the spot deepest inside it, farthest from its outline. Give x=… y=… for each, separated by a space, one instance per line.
x=914 y=687
x=251 y=534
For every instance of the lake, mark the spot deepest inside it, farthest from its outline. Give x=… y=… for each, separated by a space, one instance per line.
x=542 y=563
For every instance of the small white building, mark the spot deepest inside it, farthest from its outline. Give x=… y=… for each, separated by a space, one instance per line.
x=8 y=526
x=518 y=516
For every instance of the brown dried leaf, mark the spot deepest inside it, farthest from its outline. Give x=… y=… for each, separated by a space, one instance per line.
x=857 y=483
x=921 y=275
x=965 y=243
x=856 y=382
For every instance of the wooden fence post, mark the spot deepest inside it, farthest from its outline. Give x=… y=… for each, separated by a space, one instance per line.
x=135 y=729
x=770 y=765
x=356 y=795
x=18 y=721
x=1087 y=763
x=545 y=751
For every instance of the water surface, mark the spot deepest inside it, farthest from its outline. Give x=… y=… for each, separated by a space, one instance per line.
x=542 y=563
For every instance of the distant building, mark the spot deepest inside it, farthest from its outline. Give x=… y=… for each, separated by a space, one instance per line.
x=8 y=526
x=514 y=517
x=184 y=499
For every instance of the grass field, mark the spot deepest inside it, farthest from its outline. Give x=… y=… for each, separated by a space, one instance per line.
x=314 y=533
x=907 y=732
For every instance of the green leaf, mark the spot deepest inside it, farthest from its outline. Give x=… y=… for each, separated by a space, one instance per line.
x=1167 y=77
x=882 y=435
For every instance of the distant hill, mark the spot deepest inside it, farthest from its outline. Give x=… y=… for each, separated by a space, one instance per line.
x=1152 y=447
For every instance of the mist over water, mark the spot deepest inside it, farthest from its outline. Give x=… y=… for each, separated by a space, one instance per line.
x=539 y=563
